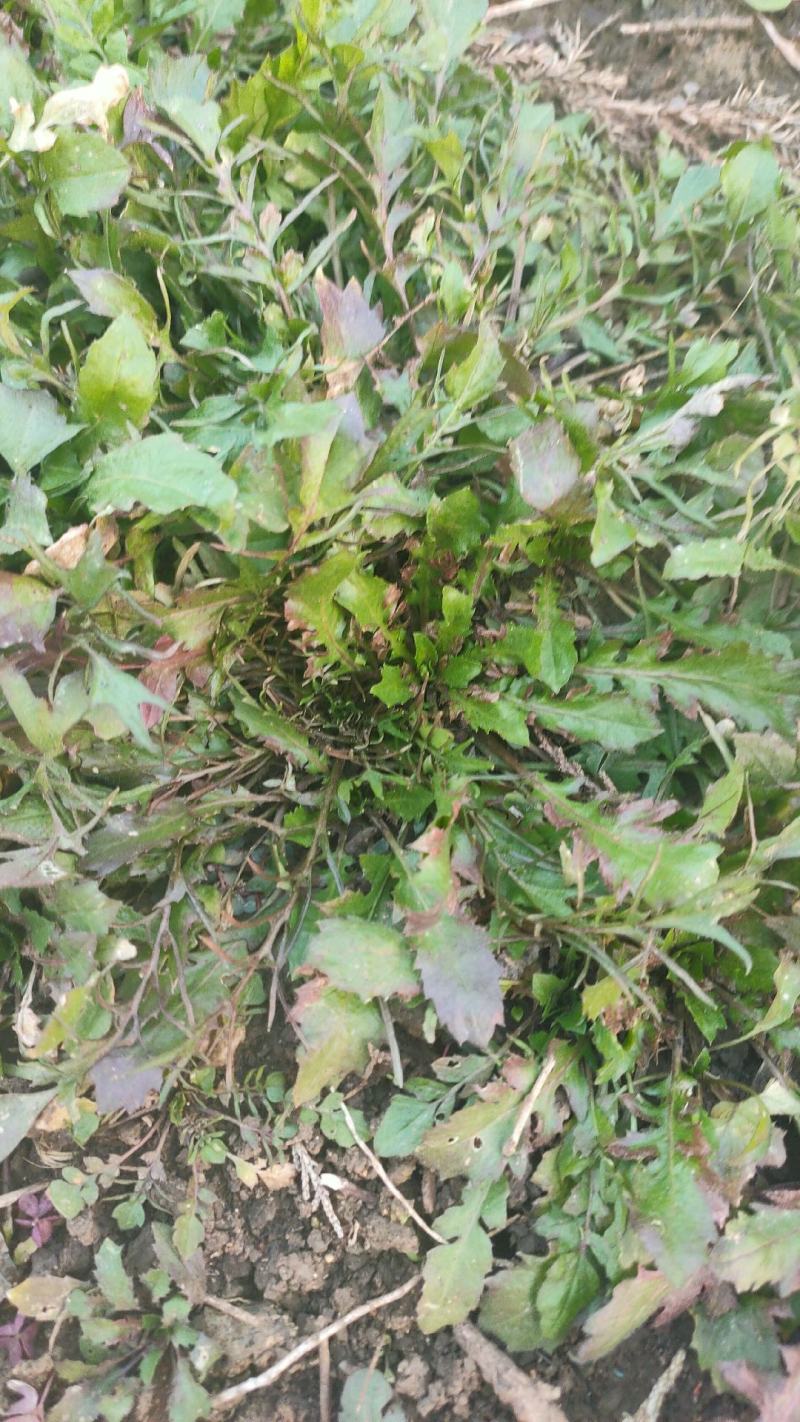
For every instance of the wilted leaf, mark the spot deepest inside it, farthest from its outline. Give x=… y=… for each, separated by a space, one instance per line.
x=776 y=1395
x=738 y=682
x=476 y=377
x=760 y=1248
x=453 y=1279
x=123 y=695
x=310 y=603
x=707 y=558
x=615 y=722
x=496 y=714
x=122 y=1082
x=83 y=104
x=403 y=1126
x=631 y=1304
x=673 y=1216
x=188 y=1401
x=350 y=330
x=27 y=609
x=368 y=959
x=545 y=465
x=567 y=1288
x=612 y=532
x=462 y=978
x=25 y=523
x=108 y=294
x=179 y=85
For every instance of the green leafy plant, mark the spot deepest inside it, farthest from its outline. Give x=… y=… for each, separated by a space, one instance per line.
x=399 y=531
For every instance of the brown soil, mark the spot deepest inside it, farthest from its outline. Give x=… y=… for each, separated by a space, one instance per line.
x=697 y=64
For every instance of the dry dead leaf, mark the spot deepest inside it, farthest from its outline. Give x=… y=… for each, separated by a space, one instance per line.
x=68 y=550
x=85 y=104
x=278 y=1176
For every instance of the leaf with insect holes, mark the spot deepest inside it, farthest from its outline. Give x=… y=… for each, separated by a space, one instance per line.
x=31 y=427
x=461 y=976
x=471 y=1142
x=27 y=610
x=338 y=1030
x=368 y=959
x=42 y=1296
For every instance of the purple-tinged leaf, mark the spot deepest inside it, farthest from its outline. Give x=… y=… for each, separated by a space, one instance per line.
x=461 y=977
x=121 y=1083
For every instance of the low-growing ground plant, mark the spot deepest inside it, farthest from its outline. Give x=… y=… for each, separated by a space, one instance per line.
x=401 y=508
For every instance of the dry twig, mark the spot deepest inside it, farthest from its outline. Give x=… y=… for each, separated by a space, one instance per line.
x=324 y=1381
x=688 y=25
x=530 y=1399
x=516 y=7
x=784 y=46
x=650 y=1409
x=381 y=1174
x=229 y=1395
